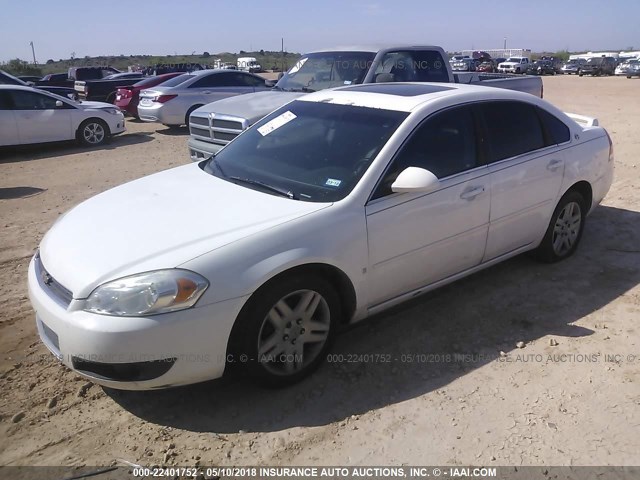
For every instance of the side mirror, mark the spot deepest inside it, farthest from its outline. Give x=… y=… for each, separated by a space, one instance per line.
x=415 y=180
x=269 y=83
x=59 y=103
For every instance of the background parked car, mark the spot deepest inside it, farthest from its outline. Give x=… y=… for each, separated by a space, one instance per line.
x=8 y=79
x=172 y=103
x=54 y=80
x=573 y=66
x=599 y=66
x=465 y=65
x=627 y=68
x=127 y=98
x=486 y=67
x=104 y=90
x=29 y=79
x=29 y=115
x=541 y=67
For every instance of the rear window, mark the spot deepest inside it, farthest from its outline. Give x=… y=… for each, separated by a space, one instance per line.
x=177 y=80
x=557 y=132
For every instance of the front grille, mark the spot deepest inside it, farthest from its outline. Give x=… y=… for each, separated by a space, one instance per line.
x=228 y=124
x=199 y=120
x=201 y=132
x=50 y=285
x=221 y=128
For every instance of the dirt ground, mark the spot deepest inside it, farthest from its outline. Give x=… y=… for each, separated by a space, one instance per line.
x=570 y=396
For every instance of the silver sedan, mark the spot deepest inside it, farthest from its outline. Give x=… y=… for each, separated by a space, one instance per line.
x=172 y=102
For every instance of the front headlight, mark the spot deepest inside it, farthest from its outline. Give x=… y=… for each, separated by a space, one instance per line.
x=112 y=111
x=147 y=293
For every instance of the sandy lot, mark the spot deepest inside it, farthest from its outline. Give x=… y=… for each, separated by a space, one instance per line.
x=574 y=403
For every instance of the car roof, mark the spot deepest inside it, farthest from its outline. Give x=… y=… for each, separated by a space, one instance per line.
x=407 y=97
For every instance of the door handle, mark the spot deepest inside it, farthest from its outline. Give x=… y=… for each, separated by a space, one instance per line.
x=554 y=165
x=472 y=192
x=207 y=92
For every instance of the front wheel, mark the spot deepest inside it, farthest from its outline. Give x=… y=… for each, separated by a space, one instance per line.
x=285 y=331
x=565 y=229
x=93 y=132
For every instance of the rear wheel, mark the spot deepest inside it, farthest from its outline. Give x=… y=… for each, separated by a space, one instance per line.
x=283 y=333
x=93 y=132
x=565 y=229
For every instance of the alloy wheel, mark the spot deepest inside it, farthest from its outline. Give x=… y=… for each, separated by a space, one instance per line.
x=566 y=228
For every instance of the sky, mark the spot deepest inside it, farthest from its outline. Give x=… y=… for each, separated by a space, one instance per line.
x=162 y=27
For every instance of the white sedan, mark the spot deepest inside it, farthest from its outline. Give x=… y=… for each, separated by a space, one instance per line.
x=336 y=206
x=29 y=115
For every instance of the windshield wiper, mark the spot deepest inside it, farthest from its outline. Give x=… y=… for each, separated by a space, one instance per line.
x=266 y=186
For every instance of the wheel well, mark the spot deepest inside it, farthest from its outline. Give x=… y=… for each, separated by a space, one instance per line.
x=335 y=276
x=104 y=124
x=186 y=117
x=344 y=289
x=584 y=189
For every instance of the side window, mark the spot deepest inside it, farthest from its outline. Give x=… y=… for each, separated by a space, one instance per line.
x=445 y=144
x=513 y=128
x=5 y=101
x=25 y=100
x=251 y=81
x=557 y=131
x=208 y=81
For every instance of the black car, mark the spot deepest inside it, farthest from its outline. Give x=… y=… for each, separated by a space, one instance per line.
x=104 y=90
x=8 y=79
x=541 y=67
x=599 y=66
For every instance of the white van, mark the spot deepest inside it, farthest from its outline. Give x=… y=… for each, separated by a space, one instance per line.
x=249 y=64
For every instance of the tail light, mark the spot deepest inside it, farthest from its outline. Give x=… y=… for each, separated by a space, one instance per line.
x=610 y=146
x=164 y=98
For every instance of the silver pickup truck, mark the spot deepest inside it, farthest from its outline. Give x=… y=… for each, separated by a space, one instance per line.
x=214 y=125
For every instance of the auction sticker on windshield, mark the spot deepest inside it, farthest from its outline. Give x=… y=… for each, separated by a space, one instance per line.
x=276 y=123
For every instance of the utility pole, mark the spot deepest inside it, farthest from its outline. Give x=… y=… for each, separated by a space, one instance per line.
x=505 y=43
x=33 y=50
x=282 y=51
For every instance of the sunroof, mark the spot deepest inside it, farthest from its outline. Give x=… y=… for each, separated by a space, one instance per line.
x=401 y=89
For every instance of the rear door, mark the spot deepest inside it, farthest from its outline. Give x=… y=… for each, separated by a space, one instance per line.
x=39 y=119
x=526 y=170
x=8 y=126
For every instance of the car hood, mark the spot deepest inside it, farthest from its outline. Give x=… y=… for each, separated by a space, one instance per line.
x=252 y=106
x=159 y=221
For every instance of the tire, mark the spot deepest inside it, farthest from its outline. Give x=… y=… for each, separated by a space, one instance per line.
x=276 y=345
x=186 y=117
x=93 y=132
x=565 y=229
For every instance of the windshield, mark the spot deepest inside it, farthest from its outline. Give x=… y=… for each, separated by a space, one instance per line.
x=595 y=61
x=513 y=59
x=318 y=71
x=177 y=80
x=315 y=152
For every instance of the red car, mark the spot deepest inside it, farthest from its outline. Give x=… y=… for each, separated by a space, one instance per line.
x=127 y=98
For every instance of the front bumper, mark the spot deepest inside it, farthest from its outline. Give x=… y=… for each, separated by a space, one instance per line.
x=199 y=150
x=135 y=353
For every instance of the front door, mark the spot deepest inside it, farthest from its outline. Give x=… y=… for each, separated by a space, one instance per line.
x=417 y=239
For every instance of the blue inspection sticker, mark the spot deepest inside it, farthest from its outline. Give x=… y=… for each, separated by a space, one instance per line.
x=332 y=182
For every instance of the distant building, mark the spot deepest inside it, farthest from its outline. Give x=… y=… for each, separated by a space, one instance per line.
x=501 y=52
